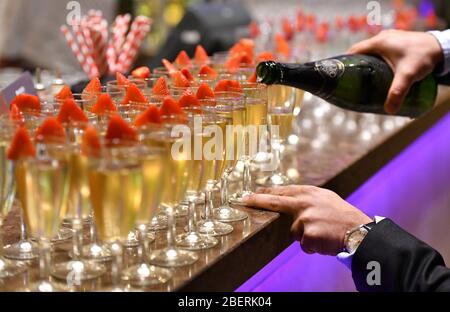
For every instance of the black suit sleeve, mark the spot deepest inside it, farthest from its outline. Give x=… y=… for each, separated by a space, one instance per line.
x=405 y=263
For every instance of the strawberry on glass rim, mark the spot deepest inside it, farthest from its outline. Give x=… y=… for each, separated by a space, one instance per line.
x=142 y=72
x=21 y=146
x=70 y=112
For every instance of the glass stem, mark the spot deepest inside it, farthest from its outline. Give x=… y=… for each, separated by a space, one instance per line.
x=224 y=188
x=77 y=240
x=276 y=156
x=208 y=202
x=23 y=229
x=192 y=217
x=117 y=263
x=246 y=176
x=171 y=231
x=44 y=259
x=92 y=232
x=143 y=243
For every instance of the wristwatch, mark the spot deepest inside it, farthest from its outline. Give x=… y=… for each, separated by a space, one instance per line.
x=355 y=236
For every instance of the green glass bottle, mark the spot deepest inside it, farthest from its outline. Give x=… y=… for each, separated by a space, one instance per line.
x=356 y=82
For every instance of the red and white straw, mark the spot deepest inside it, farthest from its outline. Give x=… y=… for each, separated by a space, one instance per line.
x=100 y=52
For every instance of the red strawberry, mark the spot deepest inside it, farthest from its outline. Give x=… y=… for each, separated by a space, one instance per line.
x=188 y=100
x=94 y=86
x=265 y=56
x=141 y=72
x=103 y=105
x=186 y=73
x=282 y=46
x=134 y=94
x=254 y=29
x=201 y=57
x=21 y=145
x=288 y=29
x=204 y=92
x=208 y=71
x=90 y=143
x=64 y=93
x=16 y=115
x=169 y=66
x=71 y=112
x=119 y=129
x=183 y=60
x=188 y=91
x=26 y=102
x=150 y=116
x=160 y=88
x=170 y=107
x=238 y=59
x=122 y=80
x=50 y=130
x=228 y=85
x=179 y=80
x=252 y=78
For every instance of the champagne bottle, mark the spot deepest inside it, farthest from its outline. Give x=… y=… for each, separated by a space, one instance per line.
x=355 y=82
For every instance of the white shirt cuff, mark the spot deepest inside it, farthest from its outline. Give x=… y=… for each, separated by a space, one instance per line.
x=443 y=37
x=345 y=257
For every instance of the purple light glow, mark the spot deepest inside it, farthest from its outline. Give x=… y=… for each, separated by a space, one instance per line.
x=412 y=189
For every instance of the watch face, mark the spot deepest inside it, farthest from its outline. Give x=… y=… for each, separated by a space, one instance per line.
x=355 y=238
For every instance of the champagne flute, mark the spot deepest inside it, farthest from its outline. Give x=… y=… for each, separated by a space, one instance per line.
x=152 y=161
x=229 y=105
x=177 y=170
x=281 y=101
x=213 y=141
x=116 y=185
x=193 y=239
x=45 y=180
x=7 y=186
x=255 y=95
x=77 y=206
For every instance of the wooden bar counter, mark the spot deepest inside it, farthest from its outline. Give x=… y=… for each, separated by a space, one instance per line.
x=335 y=150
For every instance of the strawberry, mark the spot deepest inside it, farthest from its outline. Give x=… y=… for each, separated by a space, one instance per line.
x=288 y=29
x=21 y=145
x=183 y=60
x=169 y=66
x=122 y=80
x=170 y=107
x=50 y=130
x=238 y=59
x=265 y=56
x=90 y=143
x=282 y=46
x=26 y=102
x=204 y=92
x=228 y=85
x=141 y=72
x=179 y=80
x=103 y=105
x=64 y=93
x=208 y=71
x=254 y=29
x=16 y=115
x=119 y=129
x=160 y=88
x=200 y=57
x=188 y=100
x=186 y=73
x=134 y=94
x=150 y=116
x=71 y=112
x=244 y=45
x=94 y=86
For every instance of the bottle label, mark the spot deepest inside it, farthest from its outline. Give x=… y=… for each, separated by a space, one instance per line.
x=330 y=68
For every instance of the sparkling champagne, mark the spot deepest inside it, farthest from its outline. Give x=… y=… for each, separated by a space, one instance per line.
x=116 y=190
